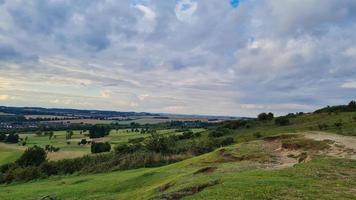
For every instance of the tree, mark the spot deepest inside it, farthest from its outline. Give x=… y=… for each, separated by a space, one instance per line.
x=98 y=131
x=100 y=147
x=12 y=138
x=159 y=143
x=33 y=156
x=265 y=116
x=50 y=135
x=2 y=137
x=282 y=121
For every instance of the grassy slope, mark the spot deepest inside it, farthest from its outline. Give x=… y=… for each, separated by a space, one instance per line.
x=323 y=178
x=8 y=154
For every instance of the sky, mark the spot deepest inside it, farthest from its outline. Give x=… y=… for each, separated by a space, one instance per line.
x=216 y=57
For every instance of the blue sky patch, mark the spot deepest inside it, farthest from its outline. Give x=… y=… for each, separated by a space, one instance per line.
x=235 y=3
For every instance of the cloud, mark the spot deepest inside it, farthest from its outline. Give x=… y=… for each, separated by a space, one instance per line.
x=349 y=85
x=4 y=97
x=183 y=56
x=185 y=10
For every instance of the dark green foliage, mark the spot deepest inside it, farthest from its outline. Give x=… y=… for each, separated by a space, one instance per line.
x=100 y=147
x=265 y=116
x=219 y=132
x=12 y=118
x=186 y=135
x=136 y=140
x=257 y=135
x=159 y=143
x=12 y=138
x=51 y=148
x=83 y=142
x=2 y=137
x=227 y=141
x=323 y=126
x=282 y=121
x=351 y=107
x=98 y=131
x=338 y=124
x=33 y=156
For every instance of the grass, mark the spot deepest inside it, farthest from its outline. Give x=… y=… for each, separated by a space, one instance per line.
x=8 y=153
x=234 y=172
x=322 y=178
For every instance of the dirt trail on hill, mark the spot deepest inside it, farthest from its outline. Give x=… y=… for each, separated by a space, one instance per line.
x=347 y=141
x=344 y=146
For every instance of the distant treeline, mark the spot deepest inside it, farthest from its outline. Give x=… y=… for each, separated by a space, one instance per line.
x=351 y=107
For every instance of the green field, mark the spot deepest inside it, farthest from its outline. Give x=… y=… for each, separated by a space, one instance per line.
x=10 y=152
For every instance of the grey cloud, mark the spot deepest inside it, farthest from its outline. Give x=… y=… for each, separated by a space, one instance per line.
x=219 y=61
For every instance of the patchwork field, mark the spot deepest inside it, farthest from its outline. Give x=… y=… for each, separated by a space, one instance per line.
x=10 y=152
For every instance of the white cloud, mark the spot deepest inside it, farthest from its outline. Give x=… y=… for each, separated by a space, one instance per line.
x=185 y=10
x=349 y=85
x=148 y=22
x=4 y=97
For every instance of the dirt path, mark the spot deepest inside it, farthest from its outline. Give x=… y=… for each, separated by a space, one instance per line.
x=347 y=141
x=344 y=146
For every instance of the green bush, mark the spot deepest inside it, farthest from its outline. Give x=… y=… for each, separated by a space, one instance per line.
x=12 y=138
x=2 y=137
x=282 y=121
x=265 y=116
x=100 y=147
x=33 y=156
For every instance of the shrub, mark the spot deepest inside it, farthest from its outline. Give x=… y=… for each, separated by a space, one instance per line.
x=100 y=147
x=338 y=124
x=186 y=135
x=257 y=135
x=98 y=131
x=2 y=137
x=219 y=132
x=265 y=116
x=282 y=121
x=159 y=143
x=33 y=156
x=227 y=141
x=21 y=174
x=323 y=126
x=128 y=148
x=12 y=138
x=137 y=140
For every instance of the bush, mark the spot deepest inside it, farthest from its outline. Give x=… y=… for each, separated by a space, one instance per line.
x=265 y=116
x=219 y=132
x=227 y=141
x=282 y=121
x=12 y=138
x=323 y=126
x=2 y=137
x=98 y=131
x=137 y=140
x=186 y=135
x=159 y=143
x=33 y=156
x=257 y=135
x=100 y=147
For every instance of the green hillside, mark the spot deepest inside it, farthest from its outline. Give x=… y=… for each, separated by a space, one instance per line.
x=313 y=157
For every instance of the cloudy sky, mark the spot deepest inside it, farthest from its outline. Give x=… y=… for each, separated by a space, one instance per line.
x=223 y=57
